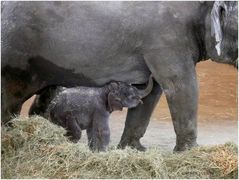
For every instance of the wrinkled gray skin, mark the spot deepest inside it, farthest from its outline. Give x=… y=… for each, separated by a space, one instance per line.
x=41 y=102
x=92 y=43
x=81 y=108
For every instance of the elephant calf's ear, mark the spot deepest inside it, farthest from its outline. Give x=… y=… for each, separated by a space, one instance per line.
x=113 y=103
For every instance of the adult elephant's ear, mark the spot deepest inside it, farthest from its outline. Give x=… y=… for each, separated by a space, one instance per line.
x=114 y=102
x=218 y=14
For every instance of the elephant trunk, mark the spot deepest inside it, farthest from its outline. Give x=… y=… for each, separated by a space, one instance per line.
x=145 y=92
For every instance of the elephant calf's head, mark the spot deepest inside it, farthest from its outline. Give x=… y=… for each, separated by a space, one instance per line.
x=124 y=95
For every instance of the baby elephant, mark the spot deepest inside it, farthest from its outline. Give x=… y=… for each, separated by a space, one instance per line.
x=89 y=108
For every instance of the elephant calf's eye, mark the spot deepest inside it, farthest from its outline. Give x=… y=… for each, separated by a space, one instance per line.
x=125 y=94
x=132 y=97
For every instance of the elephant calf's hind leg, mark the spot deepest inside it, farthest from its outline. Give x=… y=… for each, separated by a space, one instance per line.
x=73 y=130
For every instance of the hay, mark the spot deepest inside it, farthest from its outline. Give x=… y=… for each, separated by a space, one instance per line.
x=35 y=148
x=205 y=162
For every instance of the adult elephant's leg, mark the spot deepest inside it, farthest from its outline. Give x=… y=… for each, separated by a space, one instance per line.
x=17 y=86
x=182 y=98
x=9 y=108
x=179 y=83
x=10 y=104
x=138 y=119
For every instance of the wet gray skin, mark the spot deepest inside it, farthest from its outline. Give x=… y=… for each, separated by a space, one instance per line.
x=81 y=108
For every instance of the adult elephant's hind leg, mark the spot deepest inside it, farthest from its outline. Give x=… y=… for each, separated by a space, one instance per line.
x=10 y=104
x=179 y=83
x=138 y=119
x=182 y=98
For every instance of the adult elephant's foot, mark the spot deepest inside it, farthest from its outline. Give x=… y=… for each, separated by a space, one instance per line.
x=138 y=119
x=133 y=143
x=176 y=73
x=183 y=145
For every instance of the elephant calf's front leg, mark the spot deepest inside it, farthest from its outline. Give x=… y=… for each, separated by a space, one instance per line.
x=99 y=133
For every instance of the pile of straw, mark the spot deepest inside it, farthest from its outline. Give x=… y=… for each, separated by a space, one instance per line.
x=35 y=148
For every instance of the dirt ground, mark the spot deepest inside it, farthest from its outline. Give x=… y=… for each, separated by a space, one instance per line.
x=217 y=113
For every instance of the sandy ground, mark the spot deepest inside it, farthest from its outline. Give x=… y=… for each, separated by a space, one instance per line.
x=217 y=113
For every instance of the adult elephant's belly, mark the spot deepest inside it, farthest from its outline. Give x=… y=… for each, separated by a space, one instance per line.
x=73 y=43
x=90 y=72
x=91 y=60
x=95 y=59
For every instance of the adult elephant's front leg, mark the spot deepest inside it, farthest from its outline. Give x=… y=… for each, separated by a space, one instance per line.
x=182 y=96
x=138 y=119
x=179 y=83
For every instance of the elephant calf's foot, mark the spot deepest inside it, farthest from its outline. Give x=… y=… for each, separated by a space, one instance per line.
x=72 y=138
x=135 y=144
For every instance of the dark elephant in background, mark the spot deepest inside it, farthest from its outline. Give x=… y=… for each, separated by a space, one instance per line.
x=69 y=44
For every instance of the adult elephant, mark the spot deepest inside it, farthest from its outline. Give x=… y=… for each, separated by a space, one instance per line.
x=92 y=43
